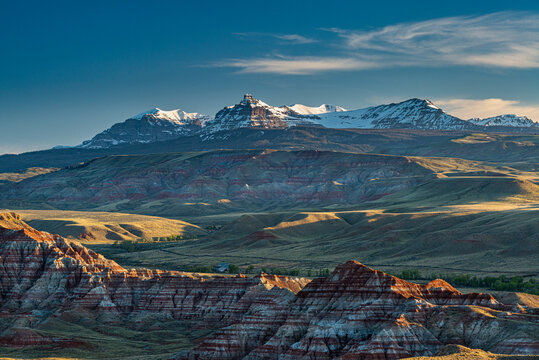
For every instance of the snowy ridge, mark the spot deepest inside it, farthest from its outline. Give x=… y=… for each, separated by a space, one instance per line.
x=149 y=126
x=308 y=110
x=505 y=120
x=411 y=114
x=177 y=116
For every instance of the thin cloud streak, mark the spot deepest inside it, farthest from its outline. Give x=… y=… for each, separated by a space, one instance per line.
x=292 y=39
x=296 y=65
x=499 y=40
x=484 y=108
x=295 y=38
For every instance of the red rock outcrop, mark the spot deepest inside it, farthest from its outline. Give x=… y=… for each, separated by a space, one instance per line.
x=354 y=313
x=361 y=313
x=41 y=273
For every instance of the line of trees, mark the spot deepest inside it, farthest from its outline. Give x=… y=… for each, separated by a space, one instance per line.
x=140 y=244
x=281 y=271
x=497 y=283
x=181 y=237
x=235 y=269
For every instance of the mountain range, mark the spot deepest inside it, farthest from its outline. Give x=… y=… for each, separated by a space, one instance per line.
x=419 y=114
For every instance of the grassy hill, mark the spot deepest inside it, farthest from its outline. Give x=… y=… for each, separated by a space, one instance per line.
x=248 y=207
x=105 y=227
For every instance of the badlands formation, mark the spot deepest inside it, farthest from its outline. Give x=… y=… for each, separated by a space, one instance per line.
x=354 y=313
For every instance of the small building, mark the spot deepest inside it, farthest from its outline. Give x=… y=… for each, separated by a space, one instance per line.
x=221 y=268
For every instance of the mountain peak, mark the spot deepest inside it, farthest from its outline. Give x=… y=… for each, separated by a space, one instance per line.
x=249 y=98
x=177 y=116
x=249 y=113
x=413 y=113
x=149 y=126
x=152 y=111
x=420 y=102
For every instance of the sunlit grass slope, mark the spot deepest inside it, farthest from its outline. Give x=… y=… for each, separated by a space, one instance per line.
x=106 y=227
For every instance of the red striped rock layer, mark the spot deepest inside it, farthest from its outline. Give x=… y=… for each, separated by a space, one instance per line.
x=355 y=313
x=360 y=313
x=44 y=272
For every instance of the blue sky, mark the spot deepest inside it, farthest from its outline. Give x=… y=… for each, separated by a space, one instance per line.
x=71 y=69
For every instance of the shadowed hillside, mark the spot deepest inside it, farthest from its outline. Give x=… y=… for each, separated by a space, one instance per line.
x=218 y=181
x=515 y=148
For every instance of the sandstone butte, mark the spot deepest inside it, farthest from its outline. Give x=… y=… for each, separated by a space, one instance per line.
x=354 y=313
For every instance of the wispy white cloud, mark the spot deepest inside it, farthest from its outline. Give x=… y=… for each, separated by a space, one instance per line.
x=287 y=38
x=505 y=39
x=501 y=40
x=296 y=65
x=295 y=38
x=483 y=108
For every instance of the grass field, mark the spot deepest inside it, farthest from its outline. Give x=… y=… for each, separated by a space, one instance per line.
x=21 y=175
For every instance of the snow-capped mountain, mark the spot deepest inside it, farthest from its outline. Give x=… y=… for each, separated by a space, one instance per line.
x=249 y=112
x=254 y=113
x=160 y=125
x=149 y=126
x=177 y=116
x=409 y=114
x=505 y=120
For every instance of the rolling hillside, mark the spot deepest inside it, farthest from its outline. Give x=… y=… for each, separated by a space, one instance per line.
x=305 y=209
x=518 y=148
x=218 y=181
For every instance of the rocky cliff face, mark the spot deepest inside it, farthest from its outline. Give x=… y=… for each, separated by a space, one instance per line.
x=251 y=113
x=354 y=313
